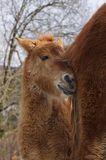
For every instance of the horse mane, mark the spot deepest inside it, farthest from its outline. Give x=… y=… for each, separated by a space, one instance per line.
x=46 y=39
x=92 y=37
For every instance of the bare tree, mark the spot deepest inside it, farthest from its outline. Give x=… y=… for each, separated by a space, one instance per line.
x=29 y=18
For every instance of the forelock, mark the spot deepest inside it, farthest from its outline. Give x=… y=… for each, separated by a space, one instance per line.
x=48 y=39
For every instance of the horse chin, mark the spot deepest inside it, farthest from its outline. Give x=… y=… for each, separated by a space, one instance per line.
x=66 y=90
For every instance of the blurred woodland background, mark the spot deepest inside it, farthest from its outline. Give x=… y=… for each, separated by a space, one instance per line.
x=29 y=18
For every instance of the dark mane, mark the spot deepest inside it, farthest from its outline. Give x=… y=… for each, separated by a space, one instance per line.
x=91 y=41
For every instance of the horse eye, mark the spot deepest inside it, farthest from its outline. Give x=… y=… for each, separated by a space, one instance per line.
x=43 y=58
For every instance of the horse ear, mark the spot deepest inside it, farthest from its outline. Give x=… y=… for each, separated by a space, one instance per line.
x=60 y=42
x=27 y=44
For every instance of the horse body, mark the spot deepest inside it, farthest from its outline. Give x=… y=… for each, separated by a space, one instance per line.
x=88 y=58
x=45 y=122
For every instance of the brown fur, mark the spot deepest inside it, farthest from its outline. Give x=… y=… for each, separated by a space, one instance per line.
x=88 y=59
x=45 y=128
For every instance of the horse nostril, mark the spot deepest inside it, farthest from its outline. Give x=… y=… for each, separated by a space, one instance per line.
x=68 y=79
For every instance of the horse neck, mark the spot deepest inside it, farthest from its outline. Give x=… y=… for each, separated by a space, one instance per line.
x=75 y=124
x=36 y=104
x=39 y=104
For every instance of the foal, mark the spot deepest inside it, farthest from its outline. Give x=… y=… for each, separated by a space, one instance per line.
x=45 y=129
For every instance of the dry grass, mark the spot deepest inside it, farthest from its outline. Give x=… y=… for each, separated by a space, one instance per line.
x=9 y=147
x=9 y=112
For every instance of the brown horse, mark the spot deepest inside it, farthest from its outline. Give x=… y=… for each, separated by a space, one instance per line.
x=45 y=125
x=87 y=56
